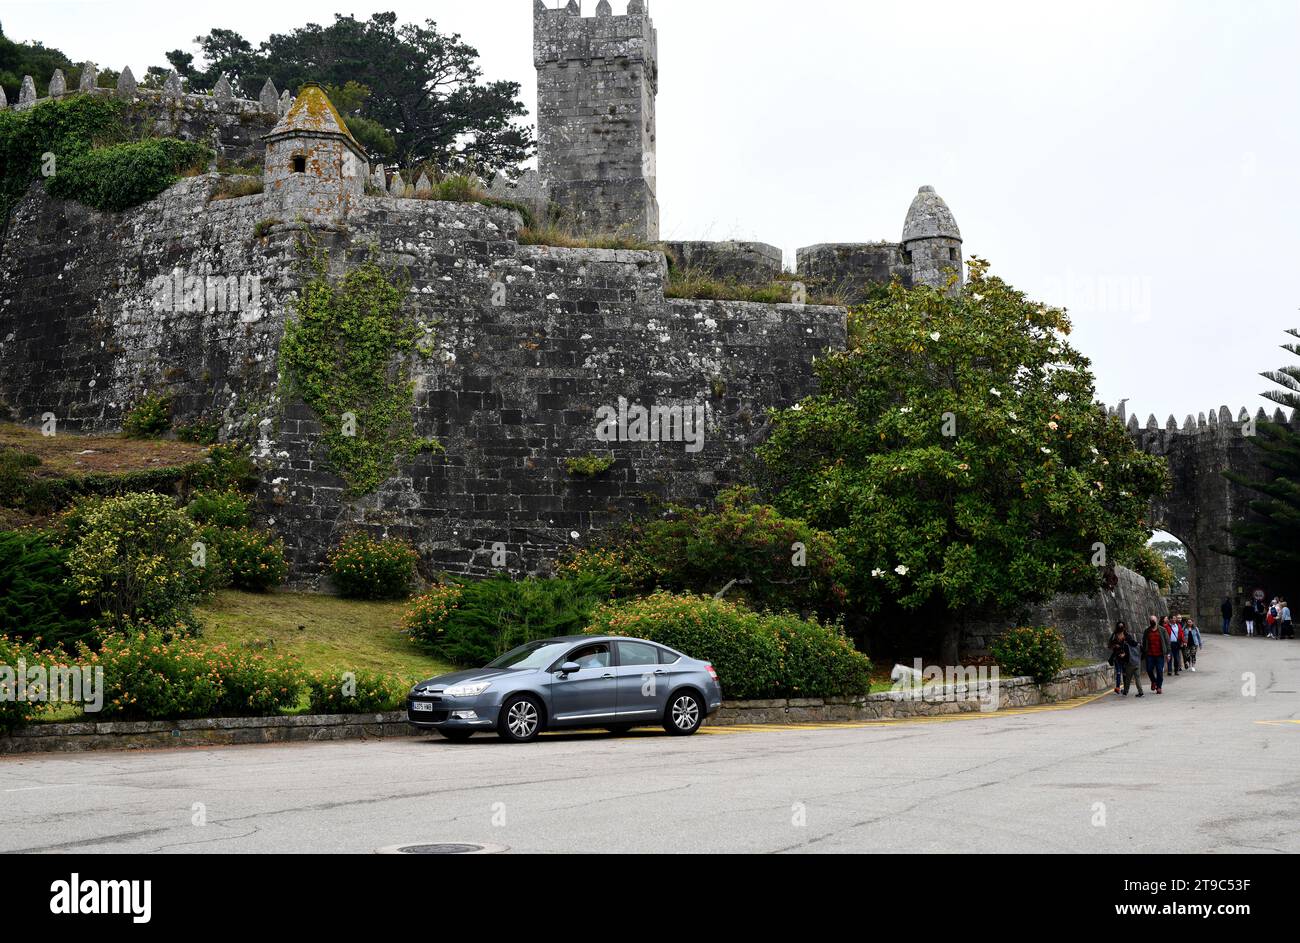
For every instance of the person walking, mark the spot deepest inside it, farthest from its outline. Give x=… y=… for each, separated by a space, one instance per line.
x=1118 y=646
x=1173 y=630
x=1193 y=644
x=1248 y=615
x=1155 y=648
x=1127 y=660
x=1132 y=663
x=1285 y=628
x=1226 y=610
x=1272 y=620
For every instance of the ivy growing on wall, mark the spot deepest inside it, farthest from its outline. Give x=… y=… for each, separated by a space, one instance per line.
x=347 y=355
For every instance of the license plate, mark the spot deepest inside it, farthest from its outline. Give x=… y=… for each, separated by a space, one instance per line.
x=423 y=706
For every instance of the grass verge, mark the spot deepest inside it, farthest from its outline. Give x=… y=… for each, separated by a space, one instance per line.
x=323 y=632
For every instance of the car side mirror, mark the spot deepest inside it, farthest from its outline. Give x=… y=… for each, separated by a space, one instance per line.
x=569 y=667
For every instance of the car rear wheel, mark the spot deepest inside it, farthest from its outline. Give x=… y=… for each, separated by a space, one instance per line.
x=459 y=736
x=684 y=714
x=521 y=719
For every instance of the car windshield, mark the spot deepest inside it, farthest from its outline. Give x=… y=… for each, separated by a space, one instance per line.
x=532 y=655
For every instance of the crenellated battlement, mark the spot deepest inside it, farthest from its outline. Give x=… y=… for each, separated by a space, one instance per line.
x=564 y=35
x=269 y=102
x=1220 y=421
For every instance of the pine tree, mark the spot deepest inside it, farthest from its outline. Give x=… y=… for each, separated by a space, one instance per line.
x=1270 y=541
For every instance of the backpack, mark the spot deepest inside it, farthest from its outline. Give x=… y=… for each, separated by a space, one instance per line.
x=1272 y=617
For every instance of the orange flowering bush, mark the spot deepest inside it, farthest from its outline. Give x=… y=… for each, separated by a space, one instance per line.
x=148 y=676
x=426 y=620
x=354 y=692
x=16 y=655
x=365 y=568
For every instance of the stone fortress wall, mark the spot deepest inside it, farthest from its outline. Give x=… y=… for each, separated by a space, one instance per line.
x=513 y=392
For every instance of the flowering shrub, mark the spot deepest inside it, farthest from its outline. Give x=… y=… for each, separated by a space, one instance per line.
x=132 y=560
x=756 y=655
x=426 y=620
x=251 y=559
x=354 y=692
x=621 y=567
x=147 y=676
x=13 y=712
x=364 y=568
x=1038 y=652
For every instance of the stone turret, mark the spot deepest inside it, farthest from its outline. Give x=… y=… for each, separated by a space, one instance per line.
x=932 y=241
x=597 y=78
x=314 y=165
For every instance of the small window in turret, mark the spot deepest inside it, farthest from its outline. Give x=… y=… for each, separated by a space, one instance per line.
x=298 y=163
x=952 y=255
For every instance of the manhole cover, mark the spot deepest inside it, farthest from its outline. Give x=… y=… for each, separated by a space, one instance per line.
x=441 y=848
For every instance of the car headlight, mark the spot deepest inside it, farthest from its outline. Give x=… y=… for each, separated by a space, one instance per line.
x=468 y=690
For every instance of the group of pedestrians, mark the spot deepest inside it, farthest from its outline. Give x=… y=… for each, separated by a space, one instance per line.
x=1275 y=618
x=1167 y=646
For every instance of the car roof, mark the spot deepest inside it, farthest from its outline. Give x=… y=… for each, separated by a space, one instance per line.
x=567 y=639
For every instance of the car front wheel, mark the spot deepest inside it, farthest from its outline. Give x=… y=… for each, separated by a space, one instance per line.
x=684 y=714
x=521 y=719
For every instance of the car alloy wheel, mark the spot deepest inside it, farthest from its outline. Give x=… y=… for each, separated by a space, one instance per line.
x=683 y=714
x=522 y=720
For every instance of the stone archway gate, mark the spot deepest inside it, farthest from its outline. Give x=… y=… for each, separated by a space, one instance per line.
x=1203 y=502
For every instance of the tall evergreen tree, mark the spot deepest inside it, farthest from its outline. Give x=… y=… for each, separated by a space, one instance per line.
x=1269 y=542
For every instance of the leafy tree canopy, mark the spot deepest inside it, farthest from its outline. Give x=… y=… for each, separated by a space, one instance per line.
x=956 y=452
x=1174 y=556
x=423 y=88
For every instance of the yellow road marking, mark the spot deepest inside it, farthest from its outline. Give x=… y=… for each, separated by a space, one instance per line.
x=1277 y=722
x=900 y=721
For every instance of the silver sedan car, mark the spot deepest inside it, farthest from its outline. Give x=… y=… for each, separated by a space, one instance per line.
x=575 y=681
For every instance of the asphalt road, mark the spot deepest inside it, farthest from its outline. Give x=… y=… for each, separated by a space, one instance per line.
x=1202 y=768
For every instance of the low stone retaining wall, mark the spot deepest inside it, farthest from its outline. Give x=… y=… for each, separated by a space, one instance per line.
x=218 y=731
x=950 y=699
x=132 y=735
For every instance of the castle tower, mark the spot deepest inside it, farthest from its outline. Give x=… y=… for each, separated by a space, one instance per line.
x=596 y=83
x=313 y=163
x=932 y=241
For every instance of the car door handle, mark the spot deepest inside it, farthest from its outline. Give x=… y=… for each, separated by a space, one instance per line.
x=661 y=672
x=607 y=676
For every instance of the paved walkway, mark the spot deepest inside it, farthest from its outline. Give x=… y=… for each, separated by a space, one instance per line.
x=1202 y=768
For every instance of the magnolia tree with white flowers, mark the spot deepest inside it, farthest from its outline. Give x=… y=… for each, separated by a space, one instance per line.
x=957 y=454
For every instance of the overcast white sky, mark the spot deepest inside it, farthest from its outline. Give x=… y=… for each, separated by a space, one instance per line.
x=1136 y=161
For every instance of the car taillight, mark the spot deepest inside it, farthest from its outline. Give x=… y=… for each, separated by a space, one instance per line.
x=712 y=674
